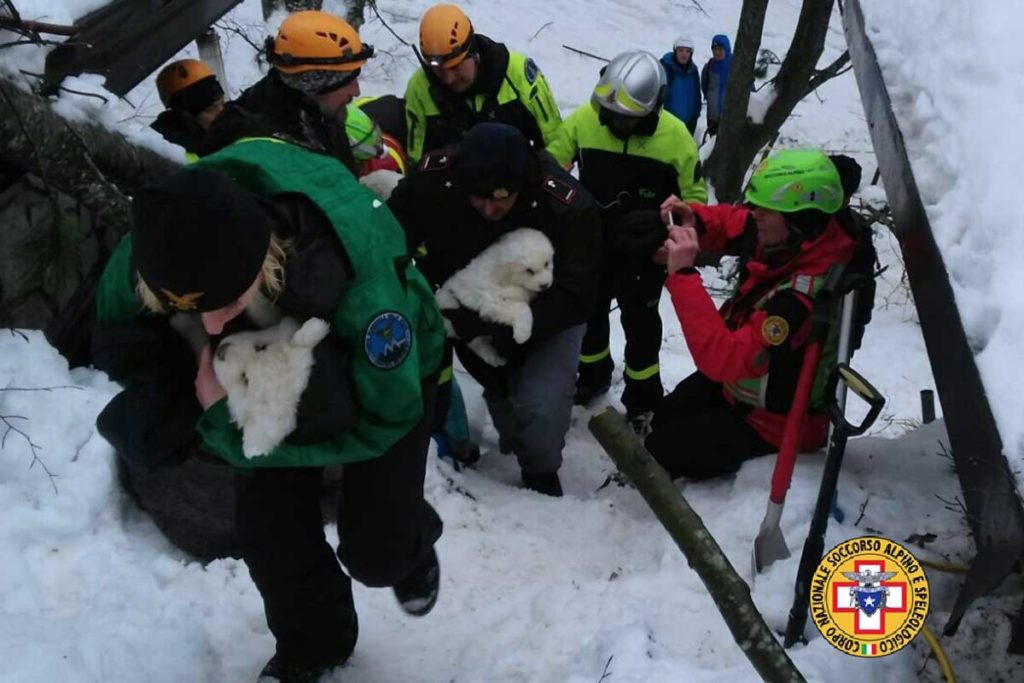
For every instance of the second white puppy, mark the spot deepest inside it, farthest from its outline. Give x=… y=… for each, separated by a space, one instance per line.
x=498 y=285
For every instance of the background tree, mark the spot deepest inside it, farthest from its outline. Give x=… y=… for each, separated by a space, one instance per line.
x=740 y=138
x=270 y=6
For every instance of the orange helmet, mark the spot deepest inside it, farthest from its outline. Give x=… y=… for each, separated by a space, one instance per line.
x=179 y=75
x=316 y=41
x=446 y=36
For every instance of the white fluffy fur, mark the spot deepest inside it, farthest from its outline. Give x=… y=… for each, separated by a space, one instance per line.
x=498 y=285
x=381 y=182
x=264 y=374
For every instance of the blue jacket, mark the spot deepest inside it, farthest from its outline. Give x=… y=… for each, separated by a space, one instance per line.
x=683 y=96
x=714 y=78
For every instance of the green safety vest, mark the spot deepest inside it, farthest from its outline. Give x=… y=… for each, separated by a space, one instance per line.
x=386 y=316
x=753 y=391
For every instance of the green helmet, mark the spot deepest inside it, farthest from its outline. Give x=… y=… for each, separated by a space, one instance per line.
x=364 y=137
x=796 y=179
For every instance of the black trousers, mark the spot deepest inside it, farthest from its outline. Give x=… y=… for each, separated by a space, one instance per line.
x=385 y=527
x=638 y=293
x=696 y=433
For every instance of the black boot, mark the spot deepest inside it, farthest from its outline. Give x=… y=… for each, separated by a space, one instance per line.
x=547 y=484
x=417 y=592
x=277 y=670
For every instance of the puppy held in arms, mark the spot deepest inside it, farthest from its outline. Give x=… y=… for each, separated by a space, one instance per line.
x=498 y=285
x=264 y=373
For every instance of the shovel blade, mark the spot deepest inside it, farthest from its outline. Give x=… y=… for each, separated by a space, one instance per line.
x=770 y=544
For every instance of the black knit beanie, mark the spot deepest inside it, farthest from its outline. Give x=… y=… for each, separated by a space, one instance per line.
x=199 y=239
x=492 y=160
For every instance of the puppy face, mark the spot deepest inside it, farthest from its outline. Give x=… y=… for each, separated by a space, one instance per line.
x=530 y=260
x=236 y=353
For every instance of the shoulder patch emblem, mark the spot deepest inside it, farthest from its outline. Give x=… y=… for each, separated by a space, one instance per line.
x=561 y=190
x=437 y=161
x=775 y=329
x=531 y=71
x=387 y=340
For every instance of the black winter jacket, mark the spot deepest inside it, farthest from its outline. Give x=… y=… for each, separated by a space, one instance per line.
x=269 y=108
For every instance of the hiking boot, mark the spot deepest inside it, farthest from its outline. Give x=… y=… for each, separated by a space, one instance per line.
x=547 y=484
x=417 y=592
x=640 y=422
x=587 y=393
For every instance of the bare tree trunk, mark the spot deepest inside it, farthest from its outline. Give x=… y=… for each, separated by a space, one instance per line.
x=739 y=138
x=730 y=593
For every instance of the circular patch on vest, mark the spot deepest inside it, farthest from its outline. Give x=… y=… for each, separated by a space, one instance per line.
x=388 y=340
x=775 y=329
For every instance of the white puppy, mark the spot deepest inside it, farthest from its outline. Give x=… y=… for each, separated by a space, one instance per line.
x=498 y=285
x=382 y=182
x=264 y=373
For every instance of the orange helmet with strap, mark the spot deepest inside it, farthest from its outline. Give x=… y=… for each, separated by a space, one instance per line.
x=179 y=75
x=446 y=36
x=316 y=41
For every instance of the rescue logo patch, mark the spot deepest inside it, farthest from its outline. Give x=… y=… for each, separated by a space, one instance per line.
x=869 y=597
x=775 y=329
x=531 y=70
x=388 y=340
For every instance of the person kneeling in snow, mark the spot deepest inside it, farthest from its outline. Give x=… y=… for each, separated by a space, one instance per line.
x=748 y=354
x=257 y=231
x=457 y=203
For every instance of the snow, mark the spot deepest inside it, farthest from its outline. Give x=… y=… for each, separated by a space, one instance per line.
x=580 y=589
x=958 y=125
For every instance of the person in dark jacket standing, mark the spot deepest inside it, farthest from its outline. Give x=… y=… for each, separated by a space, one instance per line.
x=683 y=96
x=194 y=99
x=316 y=59
x=259 y=230
x=749 y=353
x=459 y=201
x=714 y=78
x=466 y=79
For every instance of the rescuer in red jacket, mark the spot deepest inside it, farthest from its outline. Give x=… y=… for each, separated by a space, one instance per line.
x=748 y=354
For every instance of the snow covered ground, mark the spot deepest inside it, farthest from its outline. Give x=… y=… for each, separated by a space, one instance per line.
x=583 y=589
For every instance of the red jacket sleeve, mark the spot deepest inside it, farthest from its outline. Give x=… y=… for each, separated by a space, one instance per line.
x=722 y=223
x=723 y=355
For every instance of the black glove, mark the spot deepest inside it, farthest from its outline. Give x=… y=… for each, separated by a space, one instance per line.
x=467 y=323
x=503 y=341
x=639 y=233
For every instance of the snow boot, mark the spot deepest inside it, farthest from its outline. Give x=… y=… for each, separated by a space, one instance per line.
x=417 y=592
x=278 y=670
x=546 y=484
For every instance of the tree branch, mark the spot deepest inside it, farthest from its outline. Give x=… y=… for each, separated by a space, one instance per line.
x=834 y=69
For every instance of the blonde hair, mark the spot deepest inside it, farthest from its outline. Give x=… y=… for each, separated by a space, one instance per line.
x=271 y=272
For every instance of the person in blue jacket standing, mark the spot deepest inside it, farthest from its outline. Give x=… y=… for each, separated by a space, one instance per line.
x=683 y=98
x=714 y=78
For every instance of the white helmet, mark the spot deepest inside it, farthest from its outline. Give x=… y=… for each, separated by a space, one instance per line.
x=682 y=41
x=633 y=84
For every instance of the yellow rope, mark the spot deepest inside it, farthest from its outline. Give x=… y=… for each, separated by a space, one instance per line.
x=940 y=654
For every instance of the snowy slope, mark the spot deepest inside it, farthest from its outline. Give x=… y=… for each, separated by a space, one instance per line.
x=960 y=118
x=585 y=588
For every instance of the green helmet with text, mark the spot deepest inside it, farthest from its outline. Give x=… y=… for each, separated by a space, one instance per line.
x=796 y=179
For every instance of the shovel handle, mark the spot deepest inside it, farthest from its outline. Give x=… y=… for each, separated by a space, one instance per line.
x=856 y=383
